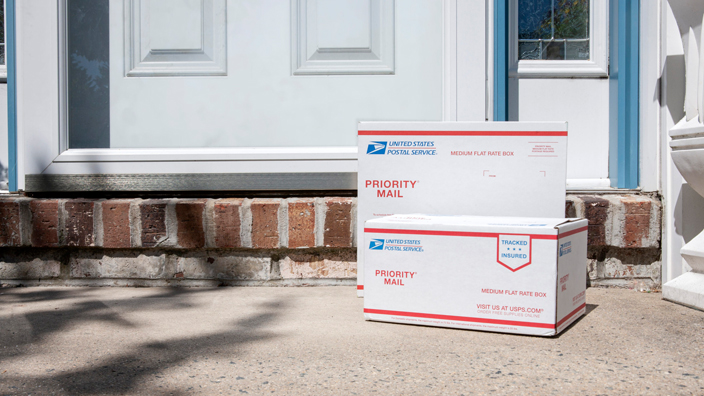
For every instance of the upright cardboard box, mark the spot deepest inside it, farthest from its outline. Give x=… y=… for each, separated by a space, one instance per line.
x=459 y=168
x=503 y=274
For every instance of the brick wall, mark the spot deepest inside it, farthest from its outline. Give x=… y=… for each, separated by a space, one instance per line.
x=623 y=238
x=260 y=241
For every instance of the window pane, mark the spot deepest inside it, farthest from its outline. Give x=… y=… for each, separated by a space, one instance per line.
x=554 y=51
x=534 y=19
x=2 y=21
x=2 y=32
x=529 y=50
x=553 y=29
x=572 y=19
x=577 y=50
x=88 y=74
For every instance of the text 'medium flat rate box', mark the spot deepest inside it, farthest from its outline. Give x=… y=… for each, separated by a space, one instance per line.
x=504 y=274
x=459 y=168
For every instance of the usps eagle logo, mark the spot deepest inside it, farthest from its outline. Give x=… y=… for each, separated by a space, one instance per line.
x=376 y=244
x=514 y=251
x=376 y=148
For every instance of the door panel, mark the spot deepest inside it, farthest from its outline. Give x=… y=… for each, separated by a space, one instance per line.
x=584 y=104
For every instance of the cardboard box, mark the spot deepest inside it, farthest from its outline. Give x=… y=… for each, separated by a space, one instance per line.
x=503 y=274
x=459 y=168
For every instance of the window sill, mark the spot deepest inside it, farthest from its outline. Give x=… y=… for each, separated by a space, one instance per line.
x=207 y=154
x=199 y=169
x=558 y=69
x=588 y=185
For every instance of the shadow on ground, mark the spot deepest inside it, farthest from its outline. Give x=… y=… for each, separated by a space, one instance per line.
x=587 y=310
x=123 y=371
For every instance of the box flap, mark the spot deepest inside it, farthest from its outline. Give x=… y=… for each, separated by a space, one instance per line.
x=514 y=126
x=572 y=224
x=518 y=225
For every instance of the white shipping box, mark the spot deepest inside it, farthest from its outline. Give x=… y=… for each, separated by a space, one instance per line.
x=459 y=168
x=503 y=274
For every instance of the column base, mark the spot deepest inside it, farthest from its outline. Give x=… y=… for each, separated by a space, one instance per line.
x=687 y=289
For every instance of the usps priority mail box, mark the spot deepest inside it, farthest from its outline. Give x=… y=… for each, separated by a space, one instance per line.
x=502 y=274
x=459 y=168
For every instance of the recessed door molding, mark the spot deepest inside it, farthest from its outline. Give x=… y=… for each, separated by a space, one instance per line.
x=366 y=47
x=199 y=48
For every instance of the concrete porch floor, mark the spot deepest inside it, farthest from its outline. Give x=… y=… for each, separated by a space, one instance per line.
x=314 y=341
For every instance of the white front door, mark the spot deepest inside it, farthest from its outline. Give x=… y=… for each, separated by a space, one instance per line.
x=273 y=72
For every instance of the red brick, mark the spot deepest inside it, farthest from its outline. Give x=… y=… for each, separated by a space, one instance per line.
x=635 y=207
x=10 y=220
x=596 y=235
x=301 y=223
x=570 y=209
x=189 y=216
x=226 y=216
x=637 y=222
x=596 y=210
x=338 y=222
x=342 y=265
x=45 y=222
x=116 y=224
x=79 y=223
x=636 y=228
x=153 y=220
x=265 y=223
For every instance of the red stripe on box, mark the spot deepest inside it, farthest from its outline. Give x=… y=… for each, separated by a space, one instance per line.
x=460 y=318
x=360 y=287
x=571 y=314
x=577 y=231
x=453 y=233
x=462 y=133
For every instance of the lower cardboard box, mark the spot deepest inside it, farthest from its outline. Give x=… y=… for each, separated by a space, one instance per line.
x=503 y=274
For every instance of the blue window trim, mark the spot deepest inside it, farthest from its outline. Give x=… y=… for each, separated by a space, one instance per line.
x=501 y=60
x=624 y=54
x=11 y=94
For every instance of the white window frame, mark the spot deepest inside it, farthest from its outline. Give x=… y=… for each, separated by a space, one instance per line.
x=596 y=67
x=42 y=120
